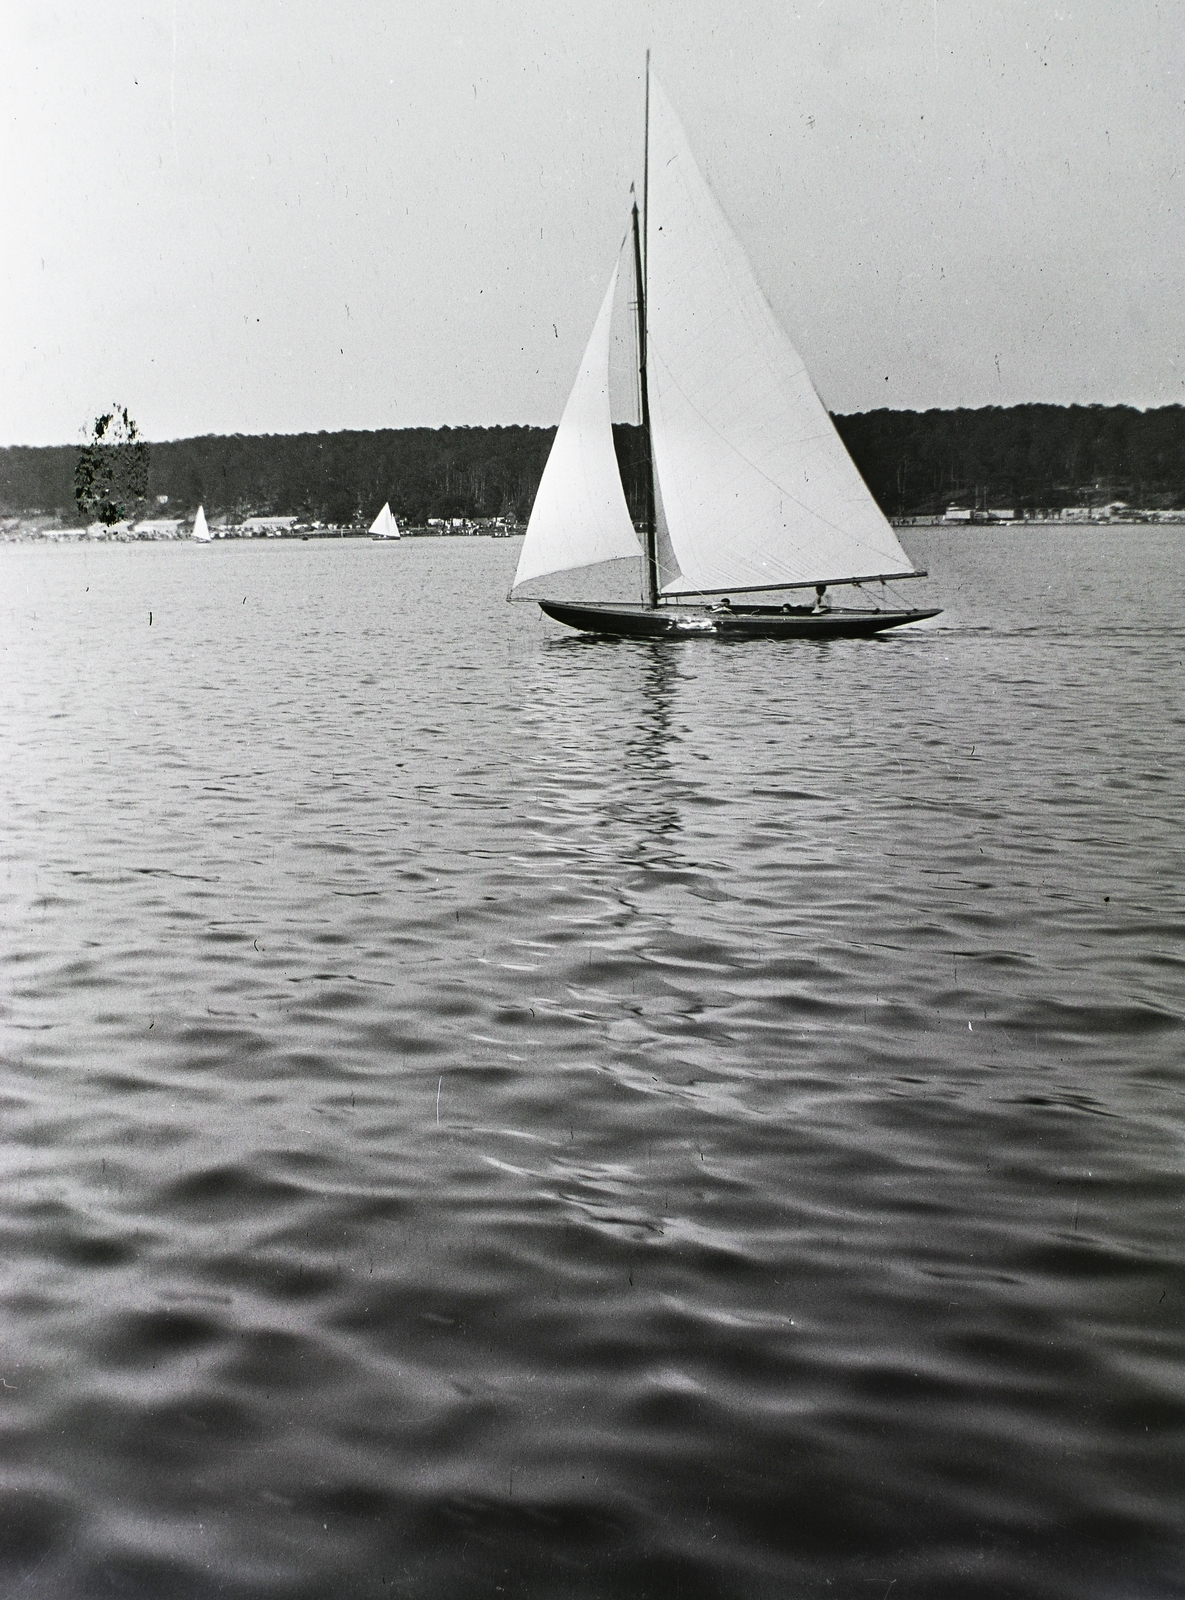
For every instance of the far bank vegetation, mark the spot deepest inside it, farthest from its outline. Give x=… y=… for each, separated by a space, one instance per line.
x=1030 y=458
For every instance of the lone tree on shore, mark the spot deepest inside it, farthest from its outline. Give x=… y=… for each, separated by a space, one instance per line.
x=111 y=475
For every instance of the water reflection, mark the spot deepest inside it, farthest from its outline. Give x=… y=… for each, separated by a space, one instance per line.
x=651 y=795
x=514 y=1111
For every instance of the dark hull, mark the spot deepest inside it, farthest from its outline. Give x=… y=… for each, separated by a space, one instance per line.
x=741 y=622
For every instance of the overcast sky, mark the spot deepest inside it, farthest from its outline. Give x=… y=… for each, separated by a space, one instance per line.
x=280 y=215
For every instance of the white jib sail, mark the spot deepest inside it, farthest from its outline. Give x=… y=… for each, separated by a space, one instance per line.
x=384 y=525
x=201 y=531
x=580 y=516
x=756 y=484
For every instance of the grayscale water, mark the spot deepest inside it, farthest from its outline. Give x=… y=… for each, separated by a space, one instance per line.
x=486 y=1111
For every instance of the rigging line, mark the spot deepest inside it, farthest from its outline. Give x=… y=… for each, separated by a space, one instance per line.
x=773 y=482
x=690 y=596
x=683 y=596
x=714 y=240
x=646 y=185
x=770 y=318
x=742 y=297
x=650 y=571
x=172 y=89
x=858 y=583
x=722 y=262
x=740 y=587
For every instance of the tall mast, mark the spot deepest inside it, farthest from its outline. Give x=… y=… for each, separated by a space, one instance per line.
x=651 y=549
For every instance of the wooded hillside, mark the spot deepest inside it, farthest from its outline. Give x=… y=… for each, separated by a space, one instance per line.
x=1025 y=457
x=914 y=462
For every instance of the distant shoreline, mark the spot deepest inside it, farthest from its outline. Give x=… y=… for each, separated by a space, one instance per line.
x=50 y=530
x=1035 y=461
x=1130 y=517
x=46 y=529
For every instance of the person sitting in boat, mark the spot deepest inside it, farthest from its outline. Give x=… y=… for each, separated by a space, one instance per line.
x=821 y=598
x=723 y=605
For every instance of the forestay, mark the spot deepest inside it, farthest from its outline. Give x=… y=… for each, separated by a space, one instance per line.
x=580 y=516
x=756 y=486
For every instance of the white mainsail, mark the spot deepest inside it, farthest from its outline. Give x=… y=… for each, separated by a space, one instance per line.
x=757 y=488
x=580 y=516
x=201 y=531
x=664 y=553
x=384 y=525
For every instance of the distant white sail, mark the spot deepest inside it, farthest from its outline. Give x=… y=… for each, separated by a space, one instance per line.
x=384 y=525
x=200 y=531
x=757 y=488
x=580 y=516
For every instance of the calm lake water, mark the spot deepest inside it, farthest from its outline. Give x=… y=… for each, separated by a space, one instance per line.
x=488 y=1112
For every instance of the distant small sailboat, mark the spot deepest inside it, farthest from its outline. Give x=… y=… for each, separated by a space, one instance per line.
x=384 y=525
x=200 y=531
x=748 y=485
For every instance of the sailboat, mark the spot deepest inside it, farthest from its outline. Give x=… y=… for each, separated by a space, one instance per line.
x=201 y=531
x=749 y=489
x=384 y=525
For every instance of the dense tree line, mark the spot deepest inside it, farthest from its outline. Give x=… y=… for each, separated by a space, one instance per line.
x=1025 y=457
x=328 y=477
x=914 y=462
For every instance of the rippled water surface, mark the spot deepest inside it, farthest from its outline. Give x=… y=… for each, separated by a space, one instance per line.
x=491 y=1112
